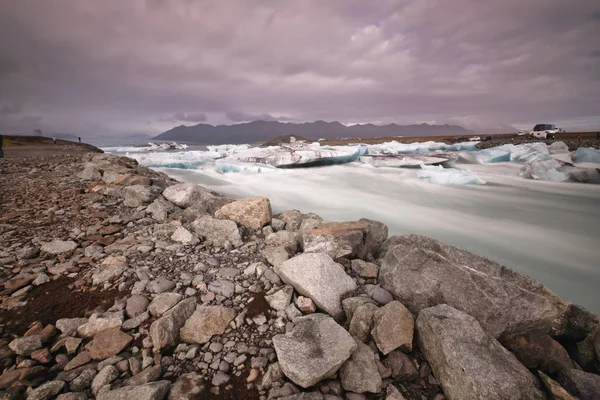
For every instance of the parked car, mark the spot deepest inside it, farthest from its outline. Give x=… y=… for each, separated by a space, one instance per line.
x=522 y=133
x=544 y=131
x=488 y=138
x=475 y=139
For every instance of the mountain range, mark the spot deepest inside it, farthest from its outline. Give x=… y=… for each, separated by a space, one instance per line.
x=260 y=131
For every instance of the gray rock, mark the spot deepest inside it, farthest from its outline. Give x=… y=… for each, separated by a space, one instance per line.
x=393 y=327
x=41 y=279
x=277 y=224
x=68 y=326
x=112 y=268
x=187 y=387
x=206 y=322
x=139 y=195
x=148 y=375
x=381 y=295
x=314 y=350
x=57 y=246
x=46 y=391
x=106 y=375
x=94 y=252
x=149 y=391
x=27 y=252
x=359 y=374
x=365 y=269
x=72 y=396
x=350 y=305
x=286 y=239
x=136 y=321
x=582 y=384
x=186 y=194
x=252 y=213
x=160 y=209
x=317 y=276
x=467 y=362
x=275 y=255
x=24 y=346
x=422 y=272
x=272 y=375
x=98 y=322
x=83 y=381
x=361 y=323
x=165 y=330
x=218 y=231
x=160 y=285
x=184 y=236
x=89 y=173
x=163 y=302
x=222 y=287
x=281 y=298
x=220 y=378
x=136 y=305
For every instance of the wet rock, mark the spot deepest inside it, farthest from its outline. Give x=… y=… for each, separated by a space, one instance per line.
x=163 y=302
x=252 y=213
x=57 y=246
x=218 y=231
x=112 y=268
x=503 y=301
x=539 y=351
x=315 y=349
x=46 y=391
x=469 y=363
x=150 y=391
x=136 y=305
x=317 y=276
x=108 y=343
x=24 y=346
x=582 y=384
x=393 y=327
x=184 y=236
x=205 y=322
x=187 y=387
x=165 y=330
x=359 y=374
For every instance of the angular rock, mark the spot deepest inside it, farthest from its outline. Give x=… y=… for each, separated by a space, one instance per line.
x=359 y=374
x=218 y=231
x=286 y=239
x=353 y=239
x=160 y=285
x=77 y=361
x=582 y=384
x=90 y=173
x=148 y=375
x=46 y=391
x=68 y=326
x=222 y=287
x=276 y=255
x=556 y=391
x=27 y=252
x=99 y=322
x=187 y=387
x=393 y=327
x=112 y=268
x=136 y=321
x=136 y=305
x=163 y=302
x=106 y=375
x=313 y=350
x=469 y=363
x=365 y=269
x=317 y=276
x=72 y=396
x=362 y=321
x=281 y=298
x=306 y=305
x=108 y=343
x=402 y=367
x=24 y=346
x=160 y=209
x=538 y=350
x=422 y=272
x=186 y=194
x=149 y=391
x=139 y=195
x=206 y=322
x=350 y=305
x=57 y=246
x=165 y=330
x=252 y=213
x=184 y=236
x=83 y=381
x=31 y=374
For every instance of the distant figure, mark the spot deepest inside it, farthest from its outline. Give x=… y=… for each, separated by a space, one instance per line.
x=1 y=152
x=54 y=139
x=79 y=137
x=578 y=138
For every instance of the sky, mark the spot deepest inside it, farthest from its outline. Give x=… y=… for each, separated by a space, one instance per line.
x=115 y=67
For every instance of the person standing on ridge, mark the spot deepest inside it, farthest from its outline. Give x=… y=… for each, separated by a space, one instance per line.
x=1 y=152
x=54 y=139
x=79 y=137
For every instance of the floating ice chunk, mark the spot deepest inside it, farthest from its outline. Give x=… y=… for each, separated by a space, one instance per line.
x=394 y=147
x=547 y=170
x=405 y=160
x=586 y=154
x=183 y=160
x=584 y=175
x=225 y=150
x=225 y=166
x=558 y=148
x=530 y=152
x=449 y=176
x=494 y=154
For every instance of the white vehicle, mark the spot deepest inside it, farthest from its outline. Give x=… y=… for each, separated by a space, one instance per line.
x=475 y=139
x=544 y=131
x=522 y=133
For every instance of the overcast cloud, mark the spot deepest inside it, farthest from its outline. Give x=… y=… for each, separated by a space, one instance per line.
x=117 y=67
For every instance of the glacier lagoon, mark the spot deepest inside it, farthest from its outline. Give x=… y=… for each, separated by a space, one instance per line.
x=548 y=230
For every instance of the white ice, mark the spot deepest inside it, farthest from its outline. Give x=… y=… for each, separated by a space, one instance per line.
x=586 y=155
x=394 y=147
x=448 y=176
x=547 y=170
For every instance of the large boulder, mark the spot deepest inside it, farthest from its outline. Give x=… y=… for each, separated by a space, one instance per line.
x=359 y=374
x=469 y=363
x=313 y=350
x=317 y=276
x=205 y=322
x=218 y=231
x=422 y=272
x=149 y=391
x=139 y=195
x=353 y=239
x=252 y=213
x=165 y=330
x=187 y=194
x=538 y=350
x=582 y=384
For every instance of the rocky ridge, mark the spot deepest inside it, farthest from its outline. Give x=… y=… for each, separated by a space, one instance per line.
x=119 y=282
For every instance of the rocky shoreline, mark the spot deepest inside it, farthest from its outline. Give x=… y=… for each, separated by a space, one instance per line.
x=119 y=283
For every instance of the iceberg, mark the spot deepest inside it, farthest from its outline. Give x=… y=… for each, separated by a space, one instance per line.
x=586 y=154
x=395 y=147
x=224 y=150
x=530 y=152
x=182 y=160
x=449 y=176
x=558 y=148
x=547 y=170
x=407 y=160
x=584 y=175
x=225 y=166
x=494 y=154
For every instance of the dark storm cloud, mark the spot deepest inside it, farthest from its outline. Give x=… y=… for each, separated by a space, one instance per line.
x=111 y=66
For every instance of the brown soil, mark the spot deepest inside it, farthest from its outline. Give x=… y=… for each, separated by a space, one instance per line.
x=55 y=300
x=258 y=306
